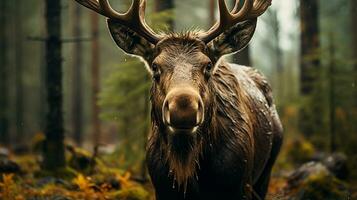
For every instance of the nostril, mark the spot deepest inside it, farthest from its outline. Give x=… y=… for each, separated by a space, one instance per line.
x=166 y=112
x=200 y=112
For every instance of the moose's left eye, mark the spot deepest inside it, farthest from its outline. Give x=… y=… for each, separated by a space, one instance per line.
x=209 y=66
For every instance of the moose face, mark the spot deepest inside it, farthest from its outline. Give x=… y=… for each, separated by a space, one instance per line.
x=181 y=70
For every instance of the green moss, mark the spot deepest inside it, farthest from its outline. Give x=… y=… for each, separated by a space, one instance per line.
x=134 y=193
x=299 y=151
x=105 y=174
x=320 y=184
x=66 y=173
x=325 y=187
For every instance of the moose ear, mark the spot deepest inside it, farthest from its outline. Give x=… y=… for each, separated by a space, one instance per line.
x=129 y=41
x=234 y=39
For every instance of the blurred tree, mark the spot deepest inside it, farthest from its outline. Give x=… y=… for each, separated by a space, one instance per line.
x=42 y=74
x=165 y=5
x=4 y=120
x=310 y=113
x=18 y=33
x=54 y=155
x=332 y=102
x=95 y=77
x=354 y=42
x=354 y=28
x=77 y=76
x=273 y=43
x=354 y=59
x=275 y=29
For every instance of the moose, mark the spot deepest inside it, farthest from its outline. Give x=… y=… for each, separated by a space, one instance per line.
x=215 y=130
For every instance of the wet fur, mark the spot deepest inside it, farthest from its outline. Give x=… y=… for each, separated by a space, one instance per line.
x=234 y=148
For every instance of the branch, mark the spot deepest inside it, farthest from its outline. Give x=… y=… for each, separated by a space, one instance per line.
x=63 y=40
x=76 y=39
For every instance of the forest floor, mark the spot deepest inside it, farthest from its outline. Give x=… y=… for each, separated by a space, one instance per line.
x=107 y=183
x=90 y=177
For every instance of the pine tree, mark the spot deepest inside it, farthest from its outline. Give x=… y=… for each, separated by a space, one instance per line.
x=310 y=121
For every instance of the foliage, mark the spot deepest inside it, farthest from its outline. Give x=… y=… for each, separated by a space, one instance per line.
x=103 y=184
x=9 y=189
x=124 y=101
x=135 y=193
x=299 y=150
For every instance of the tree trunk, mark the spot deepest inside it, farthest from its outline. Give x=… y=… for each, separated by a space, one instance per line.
x=4 y=135
x=95 y=78
x=278 y=76
x=54 y=155
x=309 y=67
x=77 y=78
x=42 y=72
x=354 y=32
x=333 y=145
x=161 y=5
x=354 y=58
x=19 y=109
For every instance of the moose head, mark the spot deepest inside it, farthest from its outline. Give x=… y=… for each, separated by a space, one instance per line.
x=181 y=64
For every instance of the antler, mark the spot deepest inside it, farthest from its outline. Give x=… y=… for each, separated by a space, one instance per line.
x=227 y=19
x=134 y=18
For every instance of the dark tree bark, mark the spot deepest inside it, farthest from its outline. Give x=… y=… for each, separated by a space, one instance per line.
x=354 y=30
x=309 y=122
x=19 y=109
x=54 y=156
x=95 y=78
x=4 y=135
x=77 y=78
x=42 y=72
x=354 y=58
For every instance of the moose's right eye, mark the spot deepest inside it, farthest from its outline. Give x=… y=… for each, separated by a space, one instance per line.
x=209 y=67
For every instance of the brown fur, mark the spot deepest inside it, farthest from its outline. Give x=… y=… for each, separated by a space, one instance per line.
x=239 y=114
